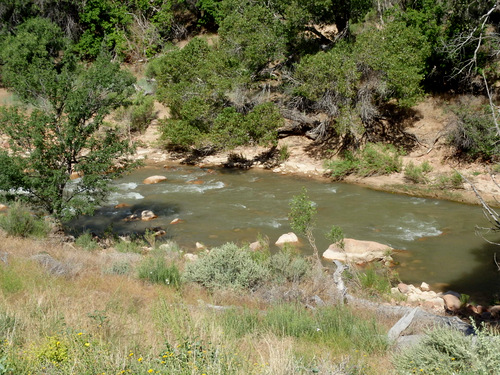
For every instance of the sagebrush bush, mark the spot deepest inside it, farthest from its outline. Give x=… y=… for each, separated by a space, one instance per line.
x=227 y=266
x=444 y=351
x=20 y=222
x=286 y=266
x=156 y=270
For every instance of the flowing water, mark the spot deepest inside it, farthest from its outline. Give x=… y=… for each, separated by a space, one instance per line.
x=437 y=238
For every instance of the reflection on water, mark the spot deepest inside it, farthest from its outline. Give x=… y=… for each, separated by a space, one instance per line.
x=218 y=206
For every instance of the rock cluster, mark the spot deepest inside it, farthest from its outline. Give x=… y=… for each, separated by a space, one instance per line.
x=421 y=296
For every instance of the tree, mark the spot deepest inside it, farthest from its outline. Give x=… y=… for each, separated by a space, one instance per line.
x=63 y=133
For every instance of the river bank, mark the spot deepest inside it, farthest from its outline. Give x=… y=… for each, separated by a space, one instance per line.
x=303 y=160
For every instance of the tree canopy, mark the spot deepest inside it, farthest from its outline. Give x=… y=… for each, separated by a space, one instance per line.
x=61 y=135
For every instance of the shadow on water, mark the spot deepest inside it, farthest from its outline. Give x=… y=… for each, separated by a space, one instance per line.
x=482 y=281
x=109 y=219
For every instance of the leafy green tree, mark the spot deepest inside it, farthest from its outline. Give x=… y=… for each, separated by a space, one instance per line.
x=63 y=131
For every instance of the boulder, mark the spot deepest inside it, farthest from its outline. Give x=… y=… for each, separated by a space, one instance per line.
x=148 y=215
x=403 y=288
x=133 y=217
x=358 y=251
x=154 y=180
x=3 y=207
x=200 y=246
x=451 y=302
x=424 y=287
x=176 y=221
x=495 y=311
x=255 y=246
x=287 y=238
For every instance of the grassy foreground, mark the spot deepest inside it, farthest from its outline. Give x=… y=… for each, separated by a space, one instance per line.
x=67 y=310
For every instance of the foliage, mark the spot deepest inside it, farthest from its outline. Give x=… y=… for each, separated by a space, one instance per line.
x=336 y=236
x=445 y=351
x=287 y=266
x=302 y=213
x=375 y=159
x=473 y=132
x=417 y=174
x=375 y=280
x=129 y=246
x=252 y=34
x=227 y=266
x=20 y=222
x=86 y=242
x=63 y=133
x=155 y=270
x=453 y=180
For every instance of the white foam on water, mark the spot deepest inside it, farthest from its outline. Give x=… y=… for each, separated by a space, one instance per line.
x=188 y=188
x=239 y=205
x=412 y=228
x=418 y=200
x=118 y=197
x=127 y=186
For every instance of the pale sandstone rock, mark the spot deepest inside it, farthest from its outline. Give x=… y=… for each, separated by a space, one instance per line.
x=255 y=246
x=424 y=286
x=190 y=257
x=176 y=221
x=154 y=179
x=451 y=302
x=357 y=251
x=287 y=238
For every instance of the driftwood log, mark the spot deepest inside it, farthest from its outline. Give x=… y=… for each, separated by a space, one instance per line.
x=408 y=315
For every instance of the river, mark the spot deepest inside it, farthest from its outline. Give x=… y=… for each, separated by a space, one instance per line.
x=437 y=238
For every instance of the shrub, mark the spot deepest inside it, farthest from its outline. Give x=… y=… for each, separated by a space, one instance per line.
x=473 y=132
x=378 y=159
x=453 y=180
x=284 y=265
x=20 y=222
x=444 y=351
x=156 y=270
x=375 y=279
x=129 y=247
x=87 y=242
x=141 y=113
x=226 y=266
x=416 y=174
x=120 y=267
x=375 y=159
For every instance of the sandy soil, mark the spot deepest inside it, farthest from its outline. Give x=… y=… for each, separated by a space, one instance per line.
x=430 y=129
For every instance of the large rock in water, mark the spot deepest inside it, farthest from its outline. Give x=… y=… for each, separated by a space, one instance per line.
x=358 y=251
x=154 y=179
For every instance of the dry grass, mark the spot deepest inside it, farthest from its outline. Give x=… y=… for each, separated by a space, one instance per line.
x=120 y=314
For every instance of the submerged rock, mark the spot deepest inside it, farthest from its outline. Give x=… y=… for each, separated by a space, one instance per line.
x=154 y=179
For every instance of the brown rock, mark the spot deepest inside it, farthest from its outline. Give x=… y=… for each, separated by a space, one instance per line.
x=132 y=217
x=196 y=182
x=154 y=180
x=3 y=207
x=451 y=302
x=122 y=205
x=176 y=221
x=495 y=311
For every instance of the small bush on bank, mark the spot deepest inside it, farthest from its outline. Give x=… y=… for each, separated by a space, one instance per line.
x=375 y=159
x=87 y=242
x=285 y=266
x=473 y=132
x=444 y=352
x=227 y=266
x=417 y=173
x=157 y=271
x=452 y=180
x=20 y=222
